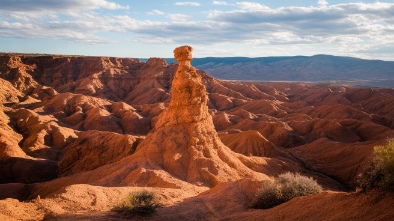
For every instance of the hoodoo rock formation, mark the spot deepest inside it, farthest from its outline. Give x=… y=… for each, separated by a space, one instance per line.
x=188 y=96
x=185 y=142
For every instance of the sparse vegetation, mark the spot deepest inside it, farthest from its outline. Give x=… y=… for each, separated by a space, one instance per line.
x=284 y=188
x=141 y=203
x=379 y=174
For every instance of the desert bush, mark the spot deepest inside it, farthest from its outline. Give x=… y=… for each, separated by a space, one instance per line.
x=141 y=203
x=284 y=188
x=379 y=173
x=267 y=196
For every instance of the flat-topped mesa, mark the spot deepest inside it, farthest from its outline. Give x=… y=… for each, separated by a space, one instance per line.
x=188 y=95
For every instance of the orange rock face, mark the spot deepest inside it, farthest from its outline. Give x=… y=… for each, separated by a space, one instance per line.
x=188 y=95
x=93 y=149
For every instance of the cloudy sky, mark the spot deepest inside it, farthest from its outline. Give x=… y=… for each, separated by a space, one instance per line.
x=153 y=28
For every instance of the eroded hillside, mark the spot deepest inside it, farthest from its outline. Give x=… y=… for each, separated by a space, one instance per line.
x=98 y=126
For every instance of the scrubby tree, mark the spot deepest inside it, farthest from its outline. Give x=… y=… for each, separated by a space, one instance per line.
x=284 y=188
x=379 y=174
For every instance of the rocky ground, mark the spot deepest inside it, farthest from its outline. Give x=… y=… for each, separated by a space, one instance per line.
x=78 y=134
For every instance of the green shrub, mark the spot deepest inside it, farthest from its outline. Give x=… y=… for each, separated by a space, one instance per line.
x=141 y=203
x=284 y=188
x=380 y=172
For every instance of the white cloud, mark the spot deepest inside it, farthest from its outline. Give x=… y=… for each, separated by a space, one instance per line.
x=187 y=3
x=220 y=3
x=58 y=5
x=155 y=12
x=10 y=25
x=155 y=40
x=252 y=6
x=322 y=3
x=347 y=28
x=70 y=32
x=343 y=26
x=179 y=17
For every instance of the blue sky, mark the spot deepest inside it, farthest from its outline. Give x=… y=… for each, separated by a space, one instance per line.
x=153 y=28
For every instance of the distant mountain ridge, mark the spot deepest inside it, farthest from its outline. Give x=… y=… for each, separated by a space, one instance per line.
x=317 y=68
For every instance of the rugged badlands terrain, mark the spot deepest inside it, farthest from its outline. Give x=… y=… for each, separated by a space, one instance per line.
x=78 y=134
